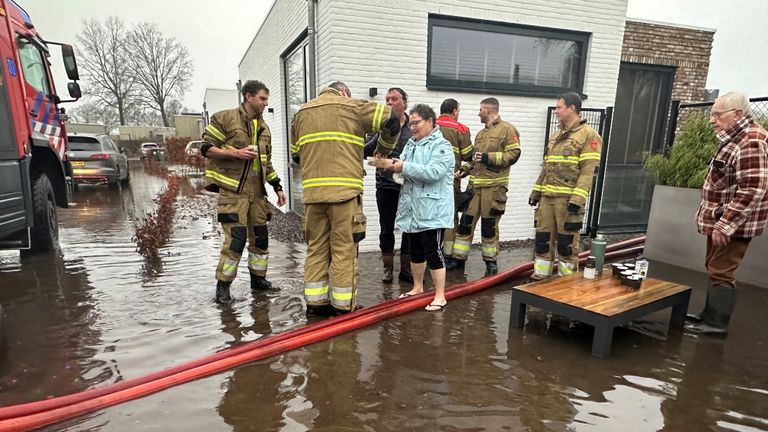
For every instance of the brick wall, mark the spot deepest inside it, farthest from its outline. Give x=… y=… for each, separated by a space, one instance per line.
x=688 y=49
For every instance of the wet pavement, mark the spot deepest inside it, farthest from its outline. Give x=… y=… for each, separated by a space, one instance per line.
x=97 y=313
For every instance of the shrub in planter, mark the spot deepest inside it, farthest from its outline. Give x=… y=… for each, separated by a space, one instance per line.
x=686 y=163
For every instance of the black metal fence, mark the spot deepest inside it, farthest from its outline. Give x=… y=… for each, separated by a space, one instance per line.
x=682 y=112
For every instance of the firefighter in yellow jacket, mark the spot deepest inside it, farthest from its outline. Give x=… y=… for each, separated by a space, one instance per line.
x=497 y=147
x=238 y=150
x=327 y=141
x=562 y=189
x=458 y=135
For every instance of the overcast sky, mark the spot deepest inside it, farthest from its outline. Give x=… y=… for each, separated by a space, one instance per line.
x=217 y=34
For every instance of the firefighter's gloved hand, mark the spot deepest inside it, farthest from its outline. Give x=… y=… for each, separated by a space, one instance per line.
x=533 y=202
x=573 y=208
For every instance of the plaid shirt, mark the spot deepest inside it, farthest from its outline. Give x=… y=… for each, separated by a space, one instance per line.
x=734 y=199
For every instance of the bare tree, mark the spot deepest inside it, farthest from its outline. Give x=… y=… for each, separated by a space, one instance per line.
x=93 y=111
x=161 y=66
x=104 y=58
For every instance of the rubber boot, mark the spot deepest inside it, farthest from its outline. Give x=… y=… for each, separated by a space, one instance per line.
x=324 y=310
x=338 y=312
x=454 y=263
x=259 y=284
x=405 y=268
x=389 y=266
x=491 y=268
x=699 y=317
x=721 y=300
x=222 y=293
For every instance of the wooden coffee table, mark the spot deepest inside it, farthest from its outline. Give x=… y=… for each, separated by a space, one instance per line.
x=601 y=302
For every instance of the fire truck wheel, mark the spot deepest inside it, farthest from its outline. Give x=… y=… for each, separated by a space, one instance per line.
x=45 y=233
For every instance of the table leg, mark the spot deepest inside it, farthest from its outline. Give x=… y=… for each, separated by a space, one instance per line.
x=518 y=313
x=679 y=309
x=601 y=341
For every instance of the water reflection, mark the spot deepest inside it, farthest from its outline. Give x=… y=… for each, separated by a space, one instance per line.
x=97 y=313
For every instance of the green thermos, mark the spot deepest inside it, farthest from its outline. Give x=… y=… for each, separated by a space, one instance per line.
x=597 y=250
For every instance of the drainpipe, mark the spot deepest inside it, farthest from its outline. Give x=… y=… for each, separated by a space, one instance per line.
x=311 y=48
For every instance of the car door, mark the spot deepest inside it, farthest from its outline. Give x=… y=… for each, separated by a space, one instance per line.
x=122 y=160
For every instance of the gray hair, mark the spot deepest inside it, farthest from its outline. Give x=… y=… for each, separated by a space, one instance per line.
x=736 y=101
x=341 y=87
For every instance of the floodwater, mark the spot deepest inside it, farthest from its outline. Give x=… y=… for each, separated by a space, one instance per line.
x=97 y=313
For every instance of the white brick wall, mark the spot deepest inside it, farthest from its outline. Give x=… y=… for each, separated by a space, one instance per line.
x=368 y=43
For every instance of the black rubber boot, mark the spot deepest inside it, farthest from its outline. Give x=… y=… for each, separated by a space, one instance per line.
x=389 y=266
x=699 y=317
x=321 y=311
x=337 y=312
x=259 y=284
x=721 y=300
x=222 y=293
x=454 y=264
x=491 y=268
x=405 y=274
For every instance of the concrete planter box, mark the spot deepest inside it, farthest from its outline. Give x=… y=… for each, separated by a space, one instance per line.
x=673 y=239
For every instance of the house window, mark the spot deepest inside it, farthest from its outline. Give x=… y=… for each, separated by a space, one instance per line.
x=473 y=55
x=296 y=73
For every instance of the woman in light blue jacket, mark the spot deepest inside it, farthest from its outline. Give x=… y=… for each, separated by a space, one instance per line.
x=426 y=199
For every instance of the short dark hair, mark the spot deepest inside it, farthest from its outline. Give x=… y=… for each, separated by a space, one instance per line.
x=571 y=99
x=448 y=106
x=402 y=92
x=425 y=112
x=491 y=102
x=340 y=86
x=253 y=87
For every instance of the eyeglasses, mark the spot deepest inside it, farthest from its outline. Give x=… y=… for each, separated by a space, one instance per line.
x=717 y=114
x=415 y=123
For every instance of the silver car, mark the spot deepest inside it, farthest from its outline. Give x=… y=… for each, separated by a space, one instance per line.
x=96 y=159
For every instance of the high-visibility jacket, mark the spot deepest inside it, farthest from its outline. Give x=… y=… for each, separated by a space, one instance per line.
x=235 y=129
x=500 y=144
x=569 y=164
x=458 y=135
x=327 y=141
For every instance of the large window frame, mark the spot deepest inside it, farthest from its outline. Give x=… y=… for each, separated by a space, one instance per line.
x=435 y=83
x=299 y=45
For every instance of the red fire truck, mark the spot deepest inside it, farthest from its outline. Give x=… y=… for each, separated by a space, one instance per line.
x=35 y=176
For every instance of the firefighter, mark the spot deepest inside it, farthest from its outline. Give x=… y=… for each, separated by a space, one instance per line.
x=562 y=189
x=458 y=135
x=497 y=147
x=238 y=150
x=327 y=141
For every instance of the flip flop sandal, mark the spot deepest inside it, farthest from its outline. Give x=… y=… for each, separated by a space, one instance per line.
x=438 y=307
x=406 y=295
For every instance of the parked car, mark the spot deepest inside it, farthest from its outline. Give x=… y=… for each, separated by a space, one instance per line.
x=193 y=148
x=96 y=159
x=149 y=150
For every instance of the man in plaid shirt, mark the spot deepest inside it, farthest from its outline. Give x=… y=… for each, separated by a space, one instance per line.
x=734 y=205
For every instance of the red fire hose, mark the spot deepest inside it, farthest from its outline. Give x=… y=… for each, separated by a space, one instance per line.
x=41 y=413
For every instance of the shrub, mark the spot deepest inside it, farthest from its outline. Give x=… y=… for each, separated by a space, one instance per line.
x=687 y=162
x=155 y=230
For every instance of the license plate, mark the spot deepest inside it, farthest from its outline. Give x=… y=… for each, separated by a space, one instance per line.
x=78 y=163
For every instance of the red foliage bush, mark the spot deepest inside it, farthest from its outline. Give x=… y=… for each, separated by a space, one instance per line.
x=156 y=228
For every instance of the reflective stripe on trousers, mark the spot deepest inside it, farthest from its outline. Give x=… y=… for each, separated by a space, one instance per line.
x=341 y=298
x=542 y=268
x=565 y=268
x=316 y=292
x=257 y=262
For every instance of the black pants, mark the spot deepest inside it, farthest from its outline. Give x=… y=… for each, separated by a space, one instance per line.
x=427 y=246
x=386 y=201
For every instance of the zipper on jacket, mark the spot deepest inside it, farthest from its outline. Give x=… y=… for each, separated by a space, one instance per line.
x=247 y=165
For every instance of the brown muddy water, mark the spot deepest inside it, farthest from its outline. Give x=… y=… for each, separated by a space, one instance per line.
x=97 y=313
